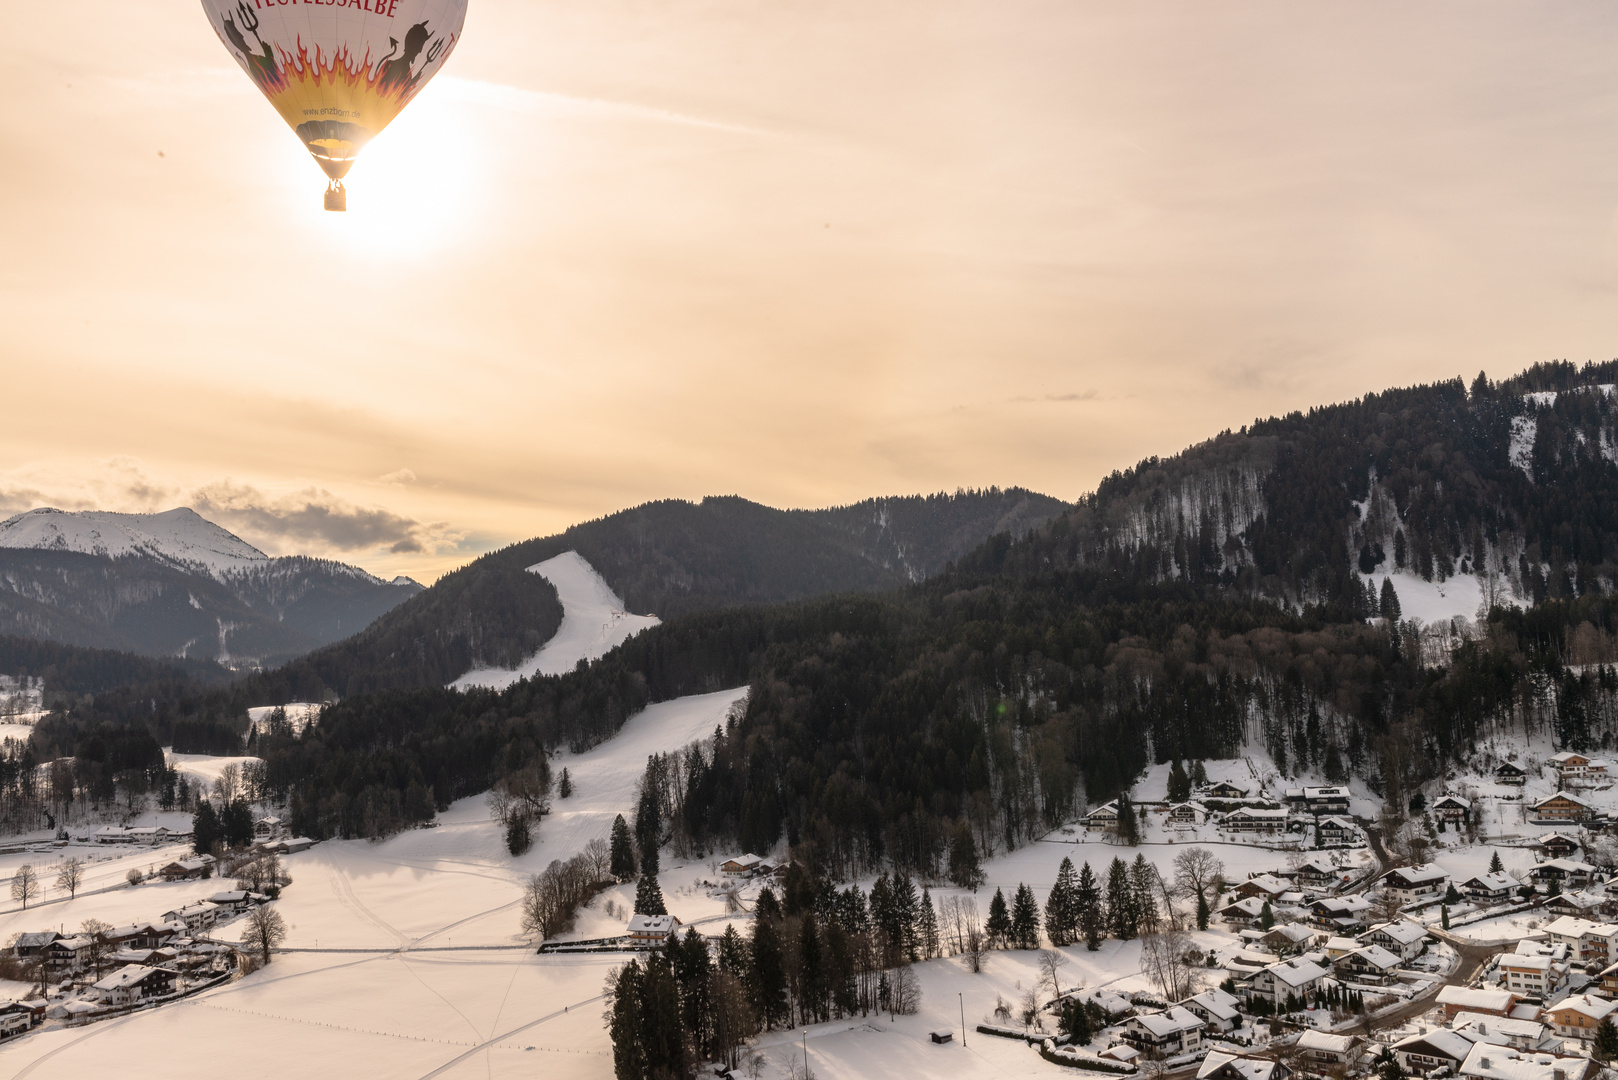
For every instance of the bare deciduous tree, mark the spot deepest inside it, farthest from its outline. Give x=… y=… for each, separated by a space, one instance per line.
x=228 y=785
x=1164 y=956
x=598 y=854
x=1051 y=964
x=552 y=896
x=100 y=946
x=905 y=992
x=70 y=876
x=25 y=885
x=265 y=930
x=1195 y=871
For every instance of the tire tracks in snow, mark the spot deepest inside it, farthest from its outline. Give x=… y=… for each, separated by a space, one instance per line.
x=490 y=1043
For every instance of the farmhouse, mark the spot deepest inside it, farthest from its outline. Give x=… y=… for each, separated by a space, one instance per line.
x=652 y=930
x=742 y=866
x=1164 y=1034
x=1288 y=939
x=1224 y=789
x=195 y=917
x=1563 y=807
x=1412 y=884
x=1489 y=888
x=1507 y=773
x=185 y=869
x=1403 y=938
x=1250 y=819
x=132 y=984
x=1186 y=814
x=1104 y=816
x=1532 y=976
x=1521 y=1034
x=1325 y=800
x=1556 y=845
x=1586 y=904
x=1452 y=809
x=1243 y=912
x=1575 y=770
x=33 y=943
x=68 y=954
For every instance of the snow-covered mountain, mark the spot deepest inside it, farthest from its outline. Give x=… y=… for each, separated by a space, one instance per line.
x=175 y=583
x=181 y=538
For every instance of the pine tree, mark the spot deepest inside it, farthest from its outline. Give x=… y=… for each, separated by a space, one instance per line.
x=1075 y=1022
x=662 y=1031
x=1390 y=601
x=1025 y=918
x=648 y=815
x=1061 y=907
x=649 y=897
x=927 y=927
x=628 y=1052
x=1204 y=913
x=1605 y=1048
x=1128 y=827
x=813 y=989
x=965 y=869
x=733 y=954
x=205 y=830
x=1199 y=774
x=1143 y=893
x=905 y=914
x=999 y=925
x=1266 y=917
x=1495 y=865
x=623 y=850
x=768 y=970
x=1179 y=783
x=565 y=788
x=1120 y=901
x=1443 y=912
x=1092 y=917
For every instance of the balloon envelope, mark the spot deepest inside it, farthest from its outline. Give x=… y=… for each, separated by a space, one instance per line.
x=338 y=71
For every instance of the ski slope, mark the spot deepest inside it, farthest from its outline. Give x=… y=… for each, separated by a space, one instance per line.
x=406 y=957
x=593 y=622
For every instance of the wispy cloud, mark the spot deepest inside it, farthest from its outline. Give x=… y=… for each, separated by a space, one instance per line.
x=518 y=99
x=1077 y=395
x=316 y=516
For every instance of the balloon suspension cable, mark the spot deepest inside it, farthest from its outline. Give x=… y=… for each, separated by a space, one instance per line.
x=336 y=197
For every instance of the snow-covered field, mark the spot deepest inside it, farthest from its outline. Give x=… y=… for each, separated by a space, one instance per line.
x=204 y=767
x=593 y=622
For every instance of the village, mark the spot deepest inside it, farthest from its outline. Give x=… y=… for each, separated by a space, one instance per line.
x=98 y=971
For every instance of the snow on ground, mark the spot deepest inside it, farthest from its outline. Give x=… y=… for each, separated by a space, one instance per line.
x=204 y=767
x=1432 y=601
x=20 y=732
x=436 y=979
x=179 y=537
x=299 y=714
x=593 y=623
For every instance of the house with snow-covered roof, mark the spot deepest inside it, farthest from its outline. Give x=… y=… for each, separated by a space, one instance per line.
x=1504 y=1031
x=1488 y=1062
x=1263 y=886
x=652 y=930
x=742 y=866
x=32 y=943
x=1224 y=789
x=1567 y=873
x=1489 y=888
x=1508 y=773
x=1412 y=884
x=1186 y=815
x=1252 y=819
x=1367 y=964
x=1220 y=1012
x=1577 y=1017
x=1294 y=978
x=131 y=984
x=1428 y=1052
x=1318 y=874
x=1322 y=1050
x=1532 y=976
x=1563 y=806
x=1459 y=999
x=1243 y=912
x=1452 y=809
x=1405 y=939
x=1575 y=770
x=1337 y=832
x=1339 y=913
x=1164 y=1034
x=1288 y=939
x=1555 y=845
x=1104 y=816
x=1219 y=1065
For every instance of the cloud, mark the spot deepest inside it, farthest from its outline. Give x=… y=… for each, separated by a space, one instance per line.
x=1079 y=395
x=316 y=516
x=398 y=476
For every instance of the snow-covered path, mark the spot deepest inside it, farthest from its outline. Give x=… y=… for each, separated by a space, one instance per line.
x=593 y=623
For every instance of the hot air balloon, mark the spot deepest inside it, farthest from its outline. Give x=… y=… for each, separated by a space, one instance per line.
x=338 y=71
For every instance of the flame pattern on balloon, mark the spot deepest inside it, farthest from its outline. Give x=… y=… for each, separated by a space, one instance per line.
x=305 y=65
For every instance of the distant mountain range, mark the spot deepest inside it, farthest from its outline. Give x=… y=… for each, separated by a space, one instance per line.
x=666 y=558
x=176 y=584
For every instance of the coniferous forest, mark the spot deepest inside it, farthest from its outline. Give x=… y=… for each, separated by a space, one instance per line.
x=1230 y=593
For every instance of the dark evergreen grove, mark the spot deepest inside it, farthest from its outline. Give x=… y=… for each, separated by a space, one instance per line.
x=1189 y=604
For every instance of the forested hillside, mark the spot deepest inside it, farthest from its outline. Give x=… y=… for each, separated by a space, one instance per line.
x=1187 y=606
x=667 y=558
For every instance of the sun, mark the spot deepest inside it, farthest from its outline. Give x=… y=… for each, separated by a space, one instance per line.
x=411 y=192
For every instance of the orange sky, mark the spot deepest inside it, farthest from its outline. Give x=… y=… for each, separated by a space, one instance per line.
x=802 y=252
